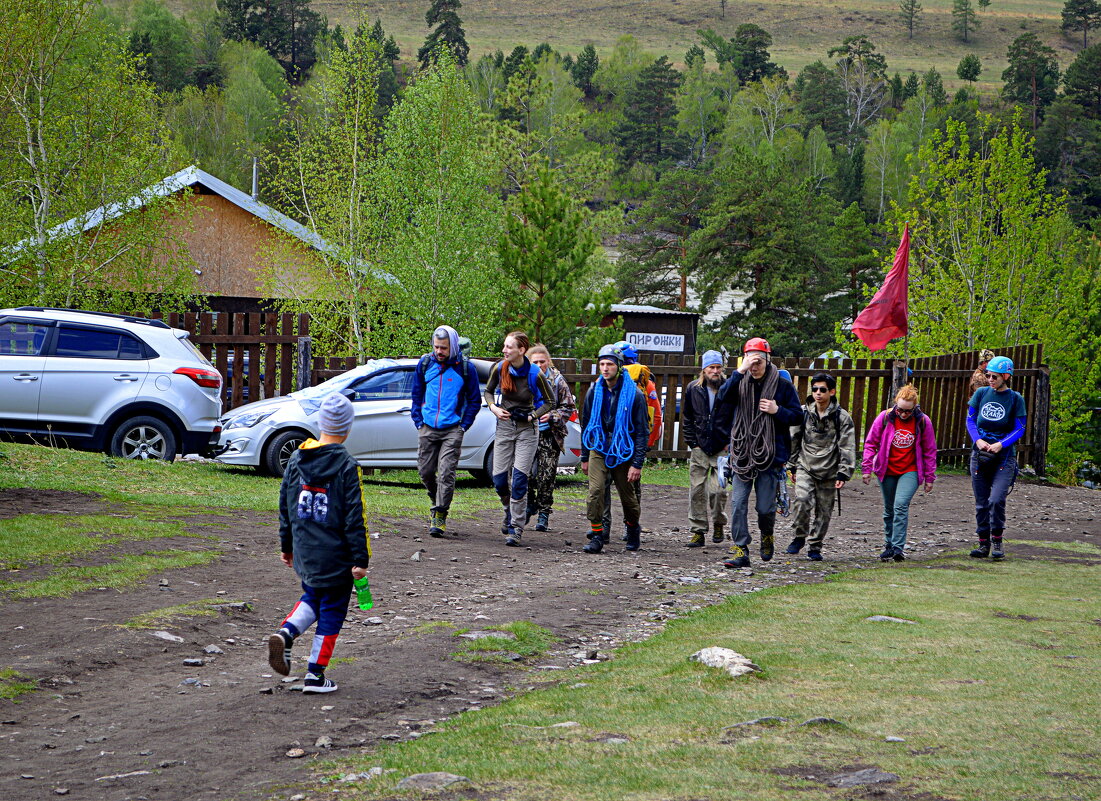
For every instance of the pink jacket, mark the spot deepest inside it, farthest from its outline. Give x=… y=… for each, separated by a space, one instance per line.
x=877 y=448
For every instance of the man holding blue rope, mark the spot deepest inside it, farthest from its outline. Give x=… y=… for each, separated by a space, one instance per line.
x=614 y=430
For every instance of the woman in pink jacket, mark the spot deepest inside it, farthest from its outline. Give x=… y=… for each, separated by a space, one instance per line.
x=901 y=451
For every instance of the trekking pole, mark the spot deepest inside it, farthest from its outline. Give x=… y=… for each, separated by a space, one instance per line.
x=838 y=492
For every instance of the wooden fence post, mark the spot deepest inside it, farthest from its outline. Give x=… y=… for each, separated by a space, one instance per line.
x=899 y=379
x=305 y=362
x=1040 y=424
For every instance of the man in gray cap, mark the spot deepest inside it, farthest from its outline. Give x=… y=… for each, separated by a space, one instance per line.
x=707 y=432
x=445 y=402
x=323 y=536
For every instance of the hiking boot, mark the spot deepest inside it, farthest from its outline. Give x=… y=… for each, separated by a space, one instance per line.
x=594 y=545
x=697 y=540
x=513 y=538
x=982 y=551
x=796 y=545
x=814 y=556
x=318 y=683
x=898 y=555
x=542 y=521
x=531 y=510
x=738 y=557
x=633 y=537
x=888 y=552
x=767 y=524
x=717 y=534
x=996 y=551
x=439 y=524
x=766 y=548
x=279 y=652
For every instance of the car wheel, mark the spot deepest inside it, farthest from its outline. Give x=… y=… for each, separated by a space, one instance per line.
x=279 y=449
x=144 y=438
x=485 y=475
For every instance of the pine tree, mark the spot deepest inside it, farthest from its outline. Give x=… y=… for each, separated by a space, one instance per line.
x=545 y=252
x=969 y=69
x=1032 y=77
x=964 y=18
x=910 y=10
x=448 y=32
x=1082 y=15
x=648 y=131
x=932 y=83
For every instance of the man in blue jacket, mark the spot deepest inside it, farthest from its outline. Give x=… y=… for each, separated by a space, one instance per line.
x=762 y=405
x=445 y=403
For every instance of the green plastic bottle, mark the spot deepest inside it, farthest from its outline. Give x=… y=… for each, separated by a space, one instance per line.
x=363 y=593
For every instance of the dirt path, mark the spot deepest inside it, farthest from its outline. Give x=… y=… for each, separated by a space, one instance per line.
x=121 y=703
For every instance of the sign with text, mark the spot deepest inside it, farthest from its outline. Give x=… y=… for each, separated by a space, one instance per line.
x=670 y=343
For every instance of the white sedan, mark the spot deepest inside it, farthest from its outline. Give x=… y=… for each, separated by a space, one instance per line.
x=264 y=434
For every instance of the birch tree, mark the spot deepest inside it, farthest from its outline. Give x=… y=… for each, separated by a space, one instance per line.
x=81 y=138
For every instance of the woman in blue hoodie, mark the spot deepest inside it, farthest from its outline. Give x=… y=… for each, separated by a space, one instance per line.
x=518 y=394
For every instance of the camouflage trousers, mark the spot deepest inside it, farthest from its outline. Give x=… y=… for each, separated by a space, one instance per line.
x=812 y=497
x=546 y=469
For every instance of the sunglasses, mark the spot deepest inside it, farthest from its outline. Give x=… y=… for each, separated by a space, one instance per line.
x=904 y=412
x=816 y=390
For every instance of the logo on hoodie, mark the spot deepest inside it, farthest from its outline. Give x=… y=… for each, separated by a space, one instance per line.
x=313 y=503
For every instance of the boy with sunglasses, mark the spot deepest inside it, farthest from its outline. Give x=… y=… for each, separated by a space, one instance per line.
x=823 y=457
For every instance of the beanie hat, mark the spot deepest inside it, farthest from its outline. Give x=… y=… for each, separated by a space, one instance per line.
x=335 y=416
x=712 y=357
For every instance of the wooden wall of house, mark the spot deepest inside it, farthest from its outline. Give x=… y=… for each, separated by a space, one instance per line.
x=230 y=245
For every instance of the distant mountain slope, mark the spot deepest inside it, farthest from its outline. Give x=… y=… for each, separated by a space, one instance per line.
x=802 y=32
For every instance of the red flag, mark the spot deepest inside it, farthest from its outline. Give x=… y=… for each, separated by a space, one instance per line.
x=886 y=317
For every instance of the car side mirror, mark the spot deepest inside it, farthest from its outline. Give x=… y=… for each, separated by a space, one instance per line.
x=348 y=393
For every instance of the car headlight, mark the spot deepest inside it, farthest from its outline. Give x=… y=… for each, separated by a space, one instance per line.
x=246 y=420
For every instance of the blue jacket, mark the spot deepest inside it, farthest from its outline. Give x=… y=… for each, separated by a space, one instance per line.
x=441 y=397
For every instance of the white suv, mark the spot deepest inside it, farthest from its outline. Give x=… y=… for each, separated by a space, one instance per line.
x=129 y=386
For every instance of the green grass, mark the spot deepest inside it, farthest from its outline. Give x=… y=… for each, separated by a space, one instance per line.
x=37 y=539
x=187 y=484
x=802 y=31
x=528 y=640
x=119 y=574
x=983 y=702
x=159 y=618
x=13 y=685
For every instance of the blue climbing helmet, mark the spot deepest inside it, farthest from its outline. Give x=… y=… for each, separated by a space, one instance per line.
x=1000 y=364
x=626 y=351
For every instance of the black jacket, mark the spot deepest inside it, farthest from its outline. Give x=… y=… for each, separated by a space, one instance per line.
x=321 y=518
x=705 y=427
x=789 y=413
x=640 y=420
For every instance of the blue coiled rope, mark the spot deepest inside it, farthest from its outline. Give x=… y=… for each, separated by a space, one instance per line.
x=623 y=444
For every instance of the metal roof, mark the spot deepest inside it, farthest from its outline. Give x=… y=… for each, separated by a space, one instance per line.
x=169 y=186
x=187 y=177
x=633 y=308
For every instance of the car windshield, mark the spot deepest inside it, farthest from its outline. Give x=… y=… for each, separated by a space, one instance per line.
x=310 y=398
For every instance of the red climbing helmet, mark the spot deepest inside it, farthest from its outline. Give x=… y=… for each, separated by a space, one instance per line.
x=757 y=343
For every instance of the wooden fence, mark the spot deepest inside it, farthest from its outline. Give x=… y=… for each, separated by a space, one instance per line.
x=266 y=346
x=279 y=345
x=864 y=389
